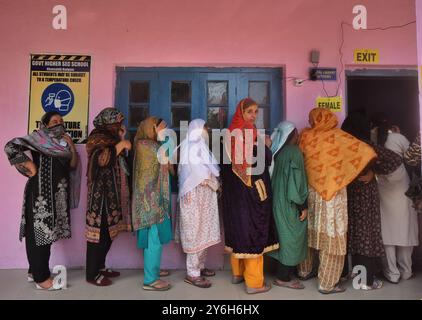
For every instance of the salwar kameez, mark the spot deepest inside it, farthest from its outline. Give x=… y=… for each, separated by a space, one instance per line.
x=199 y=225
x=365 y=243
x=399 y=220
x=251 y=269
x=249 y=225
x=46 y=212
x=151 y=202
x=96 y=252
x=333 y=159
x=327 y=234
x=108 y=191
x=195 y=262
x=38 y=255
x=151 y=240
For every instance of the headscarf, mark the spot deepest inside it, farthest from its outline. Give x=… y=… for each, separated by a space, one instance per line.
x=45 y=141
x=106 y=123
x=197 y=163
x=108 y=116
x=238 y=122
x=358 y=126
x=333 y=158
x=151 y=189
x=279 y=138
x=49 y=142
x=105 y=135
x=146 y=129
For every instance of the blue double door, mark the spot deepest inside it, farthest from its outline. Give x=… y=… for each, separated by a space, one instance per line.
x=184 y=94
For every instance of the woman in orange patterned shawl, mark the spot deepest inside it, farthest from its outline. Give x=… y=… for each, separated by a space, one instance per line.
x=333 y=159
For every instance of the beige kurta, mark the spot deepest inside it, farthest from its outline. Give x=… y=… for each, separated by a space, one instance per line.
x=198 y=226
x=327 y=222
x=399 y=221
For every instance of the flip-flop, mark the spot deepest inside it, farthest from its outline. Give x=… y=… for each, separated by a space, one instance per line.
x=153 y=287
x=198 y=282
x=294 y=284
x=336 y=289
x=264 y=289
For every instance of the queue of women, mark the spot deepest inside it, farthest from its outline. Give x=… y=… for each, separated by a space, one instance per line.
x=324 y=194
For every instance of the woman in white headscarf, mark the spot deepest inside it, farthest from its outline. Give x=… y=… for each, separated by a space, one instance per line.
x=199 y=225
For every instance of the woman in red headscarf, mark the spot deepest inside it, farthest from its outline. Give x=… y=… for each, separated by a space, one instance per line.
x=247 y=200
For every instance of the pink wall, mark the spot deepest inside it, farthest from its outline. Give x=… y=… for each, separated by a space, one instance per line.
x=176 y=33
x=419 y=44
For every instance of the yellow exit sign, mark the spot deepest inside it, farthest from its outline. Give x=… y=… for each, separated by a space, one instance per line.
x=366 y=56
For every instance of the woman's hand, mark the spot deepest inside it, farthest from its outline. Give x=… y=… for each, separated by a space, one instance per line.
x=303 y=215
x=123 y=145
x=28 y=168
x=367 y=177
x=74 y=160
x=127 y=145
x=69 y=141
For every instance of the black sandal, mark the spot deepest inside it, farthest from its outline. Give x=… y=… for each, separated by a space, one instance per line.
x=100 y=281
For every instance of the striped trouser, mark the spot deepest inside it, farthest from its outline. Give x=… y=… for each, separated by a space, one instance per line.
x=329 y=271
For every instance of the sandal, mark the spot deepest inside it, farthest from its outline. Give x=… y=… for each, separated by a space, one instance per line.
x=376 y=285
x=30 y=278
x=100 y=281
x=293 y=284
x=164 y=273
x=155 y=286
x=237 y=279
x=53 y=287
x=207 y=273
x=264 y=289
x=309 y=276
x=199 y=282
x=109 y=273
x=336 y=289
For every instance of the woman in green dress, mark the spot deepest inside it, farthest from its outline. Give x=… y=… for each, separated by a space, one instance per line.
x=290 y=192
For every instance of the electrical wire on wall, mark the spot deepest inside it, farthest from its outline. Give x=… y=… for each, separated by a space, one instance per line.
x=342 y=45
x=341 y=54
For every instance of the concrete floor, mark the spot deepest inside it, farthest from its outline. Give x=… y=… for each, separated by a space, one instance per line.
x=128 y=287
